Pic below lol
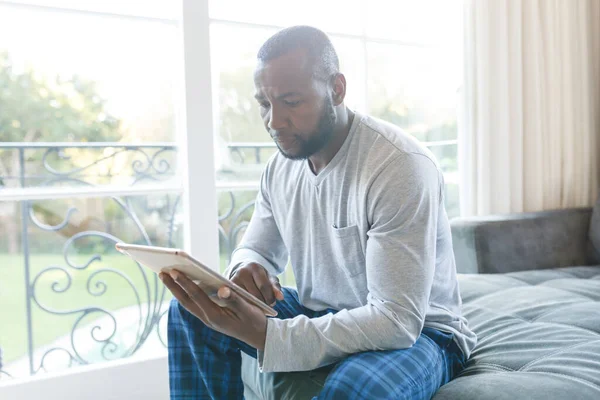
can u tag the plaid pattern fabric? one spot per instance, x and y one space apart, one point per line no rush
205 364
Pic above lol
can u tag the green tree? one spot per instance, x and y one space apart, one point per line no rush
34 108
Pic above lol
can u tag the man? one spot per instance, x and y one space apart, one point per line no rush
357 207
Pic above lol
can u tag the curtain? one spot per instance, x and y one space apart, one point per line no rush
530 134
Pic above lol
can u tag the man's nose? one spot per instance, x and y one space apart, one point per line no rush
277 119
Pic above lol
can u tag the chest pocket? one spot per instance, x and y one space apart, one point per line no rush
347 250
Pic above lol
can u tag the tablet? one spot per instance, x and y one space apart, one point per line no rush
162 259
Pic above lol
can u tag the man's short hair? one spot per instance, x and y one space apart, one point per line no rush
320 49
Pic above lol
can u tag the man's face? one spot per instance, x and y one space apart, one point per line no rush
296 108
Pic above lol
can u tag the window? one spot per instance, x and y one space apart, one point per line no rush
87 157
90 126
401 60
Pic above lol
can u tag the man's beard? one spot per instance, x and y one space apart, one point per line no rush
318 140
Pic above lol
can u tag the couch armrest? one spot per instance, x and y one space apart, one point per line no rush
523 241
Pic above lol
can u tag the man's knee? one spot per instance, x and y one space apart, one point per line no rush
345 380
414 373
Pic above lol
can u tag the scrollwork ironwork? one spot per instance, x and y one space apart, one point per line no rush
97 332
147 162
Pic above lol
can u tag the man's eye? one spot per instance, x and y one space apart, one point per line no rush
292 103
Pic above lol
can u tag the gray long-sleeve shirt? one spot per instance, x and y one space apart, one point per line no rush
368 236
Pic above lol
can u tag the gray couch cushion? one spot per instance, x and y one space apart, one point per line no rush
595 229
539 338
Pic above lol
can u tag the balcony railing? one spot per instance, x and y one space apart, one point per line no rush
62 208
64 205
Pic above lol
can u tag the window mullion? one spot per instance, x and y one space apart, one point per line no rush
196 128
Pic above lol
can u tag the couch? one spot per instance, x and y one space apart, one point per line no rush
530 285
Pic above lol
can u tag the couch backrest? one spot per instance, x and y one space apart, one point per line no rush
595 230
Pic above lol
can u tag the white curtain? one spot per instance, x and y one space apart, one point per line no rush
530 134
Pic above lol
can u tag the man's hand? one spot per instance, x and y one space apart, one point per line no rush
256 280
238 319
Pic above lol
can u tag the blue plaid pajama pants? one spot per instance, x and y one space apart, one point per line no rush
205 364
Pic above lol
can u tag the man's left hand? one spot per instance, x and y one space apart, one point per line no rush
238 319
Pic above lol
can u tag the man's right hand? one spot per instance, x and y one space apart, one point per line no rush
256 280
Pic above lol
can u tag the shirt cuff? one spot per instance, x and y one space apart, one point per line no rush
272 358
228 273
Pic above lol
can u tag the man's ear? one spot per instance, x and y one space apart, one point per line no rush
338 89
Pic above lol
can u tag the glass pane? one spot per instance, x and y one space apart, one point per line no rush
452 204
447 156
414 88
341 16
62 279
164 9
243 144
352 65
86 101
233 58
80 79
81 82
424 21
235 211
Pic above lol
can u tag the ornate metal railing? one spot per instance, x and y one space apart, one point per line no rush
112 308
68 204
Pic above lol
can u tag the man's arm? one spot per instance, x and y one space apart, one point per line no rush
262 243
261 253
403 204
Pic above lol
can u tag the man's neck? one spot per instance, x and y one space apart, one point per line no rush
319 161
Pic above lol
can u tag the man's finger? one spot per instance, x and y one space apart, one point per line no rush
261 279
253 289
247 282
181 296
196 294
